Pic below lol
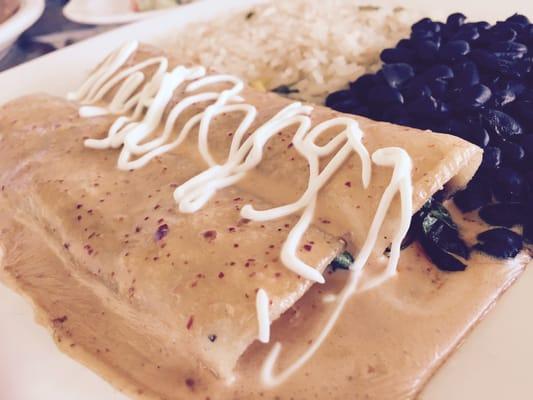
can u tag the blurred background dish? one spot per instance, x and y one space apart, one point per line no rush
15 17
148 5
50 32
104 12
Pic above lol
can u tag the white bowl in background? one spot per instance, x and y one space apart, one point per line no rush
26 15
104 12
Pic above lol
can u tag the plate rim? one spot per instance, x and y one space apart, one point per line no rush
27 14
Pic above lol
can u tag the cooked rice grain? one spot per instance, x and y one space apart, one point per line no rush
315 47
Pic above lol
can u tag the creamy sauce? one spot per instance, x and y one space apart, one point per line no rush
386 346
401 180
411 325
147 104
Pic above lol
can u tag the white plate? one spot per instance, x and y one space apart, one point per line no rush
28 12
493 364
103 12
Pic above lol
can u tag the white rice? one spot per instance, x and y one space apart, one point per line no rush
314 46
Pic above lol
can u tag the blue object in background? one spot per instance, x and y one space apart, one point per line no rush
51 32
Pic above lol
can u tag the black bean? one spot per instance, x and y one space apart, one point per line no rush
482 25
509 50
501 124
467 32
443 110
362 87
526 141
518 19
465 74
528 229
439 71
529 184
503 97
438 87
519 29
456 127
524 111
383 94
522 68
284 89
442 25
498 33
454 49
455 21
426 24
479 136
508 185
443 260
363 84
483 58
527 35
404 43
520 63
528 177
343 101
417 36
423 105
491 157
339 96
515 86
494 65
526 94
476 195
363 111
473 96
473 119
397 74
448 240
397 114
416 88
426 50
502 214
512 153
500 243
397 55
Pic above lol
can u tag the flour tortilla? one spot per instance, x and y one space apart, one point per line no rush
188 278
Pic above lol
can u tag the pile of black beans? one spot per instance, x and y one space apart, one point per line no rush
473 80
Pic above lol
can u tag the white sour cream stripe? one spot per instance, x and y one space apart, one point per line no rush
141 139
262 303
149 102
401 180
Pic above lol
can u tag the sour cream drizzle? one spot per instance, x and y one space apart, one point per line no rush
401 180
146 102
263 319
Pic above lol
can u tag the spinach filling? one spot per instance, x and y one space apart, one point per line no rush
438 235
